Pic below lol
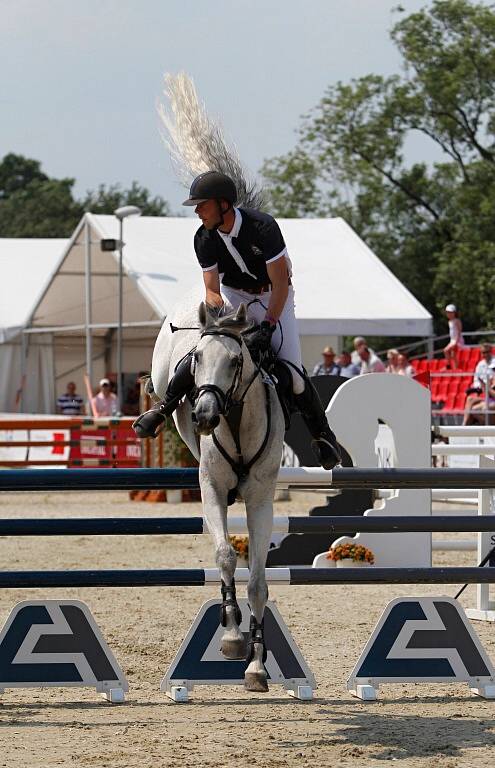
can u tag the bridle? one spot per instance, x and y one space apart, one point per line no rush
225 400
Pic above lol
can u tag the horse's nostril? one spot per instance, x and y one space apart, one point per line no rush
215 421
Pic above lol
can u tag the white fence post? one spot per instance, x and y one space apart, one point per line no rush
485 608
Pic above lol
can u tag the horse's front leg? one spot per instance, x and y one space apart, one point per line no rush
260 524
233 644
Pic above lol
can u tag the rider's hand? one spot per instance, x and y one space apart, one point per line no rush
214 311
262 338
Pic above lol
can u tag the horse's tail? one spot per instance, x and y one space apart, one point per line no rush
196 142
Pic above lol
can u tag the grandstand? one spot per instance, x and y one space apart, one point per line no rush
448 387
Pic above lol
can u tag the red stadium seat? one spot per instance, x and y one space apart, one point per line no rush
420 365
450 403
460 401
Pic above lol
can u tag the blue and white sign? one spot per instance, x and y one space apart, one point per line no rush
57 643
199 660
423 639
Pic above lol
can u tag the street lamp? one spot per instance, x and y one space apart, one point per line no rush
122 213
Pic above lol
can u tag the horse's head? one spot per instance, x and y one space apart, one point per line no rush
218 362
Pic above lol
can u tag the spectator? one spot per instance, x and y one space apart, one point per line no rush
105 403
70 404
370 363
485 366
392 361
358 342
404 368
478 410
328 366
347 367
476 392
456 342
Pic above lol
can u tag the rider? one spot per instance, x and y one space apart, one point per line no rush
244 260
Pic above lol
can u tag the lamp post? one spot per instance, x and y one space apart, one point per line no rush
122 213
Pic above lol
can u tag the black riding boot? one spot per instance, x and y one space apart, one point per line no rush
324 442
151 423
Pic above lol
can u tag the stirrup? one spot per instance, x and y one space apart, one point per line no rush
327 454
150 423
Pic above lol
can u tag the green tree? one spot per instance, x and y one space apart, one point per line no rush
32 204
107 198
433 226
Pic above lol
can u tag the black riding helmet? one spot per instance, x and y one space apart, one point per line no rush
212 185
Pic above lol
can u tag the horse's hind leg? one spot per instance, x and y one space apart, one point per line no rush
260 523
233 644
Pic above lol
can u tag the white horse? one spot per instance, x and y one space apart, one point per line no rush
225 375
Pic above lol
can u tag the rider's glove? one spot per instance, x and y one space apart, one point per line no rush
262 338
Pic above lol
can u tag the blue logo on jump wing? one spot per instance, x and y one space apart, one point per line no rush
56 643
423 639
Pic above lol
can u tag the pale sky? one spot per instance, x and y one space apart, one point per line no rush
79 79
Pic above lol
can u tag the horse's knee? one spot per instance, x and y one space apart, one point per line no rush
225 557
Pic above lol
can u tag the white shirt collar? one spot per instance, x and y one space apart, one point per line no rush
236 227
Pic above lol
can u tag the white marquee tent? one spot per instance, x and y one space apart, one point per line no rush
341 287
27 267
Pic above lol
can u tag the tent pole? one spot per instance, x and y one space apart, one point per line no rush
20 396
120 393
88 303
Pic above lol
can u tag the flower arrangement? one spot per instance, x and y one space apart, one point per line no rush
352 552
241 545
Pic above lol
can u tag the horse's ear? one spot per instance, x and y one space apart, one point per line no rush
203 314
241 314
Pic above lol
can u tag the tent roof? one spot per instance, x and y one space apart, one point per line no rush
341 287
27 266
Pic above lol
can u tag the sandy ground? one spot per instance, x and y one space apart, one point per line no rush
417 726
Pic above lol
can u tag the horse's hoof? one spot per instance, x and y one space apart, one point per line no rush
255 682
234 649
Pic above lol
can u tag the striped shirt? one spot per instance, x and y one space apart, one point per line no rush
70 405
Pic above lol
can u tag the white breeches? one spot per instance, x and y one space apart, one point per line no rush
286 342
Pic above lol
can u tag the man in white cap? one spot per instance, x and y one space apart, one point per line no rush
105 403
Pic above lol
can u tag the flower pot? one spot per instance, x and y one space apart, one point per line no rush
348 562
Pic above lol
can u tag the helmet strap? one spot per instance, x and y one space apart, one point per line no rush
221 214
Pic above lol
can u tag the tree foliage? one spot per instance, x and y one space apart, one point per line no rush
433 225
34 205
107 198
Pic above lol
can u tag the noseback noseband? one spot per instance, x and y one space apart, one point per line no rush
224 399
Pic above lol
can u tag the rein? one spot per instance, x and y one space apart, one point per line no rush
232 410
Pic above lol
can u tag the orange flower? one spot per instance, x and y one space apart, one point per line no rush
240 545
352 551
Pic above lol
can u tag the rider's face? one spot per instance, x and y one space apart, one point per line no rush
208 213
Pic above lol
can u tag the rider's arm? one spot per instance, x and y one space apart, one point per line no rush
212 284
277 272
